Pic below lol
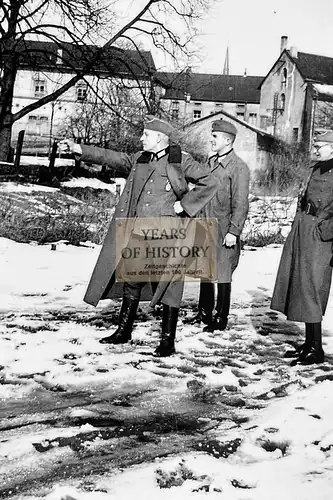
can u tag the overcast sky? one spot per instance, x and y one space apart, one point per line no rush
253 30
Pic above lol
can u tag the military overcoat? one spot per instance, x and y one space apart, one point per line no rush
304 276
230 207
138 175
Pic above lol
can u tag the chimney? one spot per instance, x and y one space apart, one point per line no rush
284 43
293 52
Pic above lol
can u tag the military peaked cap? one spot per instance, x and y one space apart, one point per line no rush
224 126
325 136
154 123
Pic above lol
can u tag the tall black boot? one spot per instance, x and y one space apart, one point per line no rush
205 306
126 319
220 320
316 354
303 349
169 325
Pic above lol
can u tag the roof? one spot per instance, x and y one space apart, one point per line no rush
323 92
40 55
257 130
211 87
313 68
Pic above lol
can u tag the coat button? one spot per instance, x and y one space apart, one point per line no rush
147 204
148 192
151 180
121 209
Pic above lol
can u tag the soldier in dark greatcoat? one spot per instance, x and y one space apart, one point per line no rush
230 207
304 276
156 187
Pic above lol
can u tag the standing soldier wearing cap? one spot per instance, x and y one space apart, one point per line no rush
230 207
157 186
304 277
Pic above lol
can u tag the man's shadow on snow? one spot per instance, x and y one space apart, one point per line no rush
271 323
267 322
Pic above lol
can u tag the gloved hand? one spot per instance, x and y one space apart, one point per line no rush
69 146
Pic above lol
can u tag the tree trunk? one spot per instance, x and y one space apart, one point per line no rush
5 141
9 67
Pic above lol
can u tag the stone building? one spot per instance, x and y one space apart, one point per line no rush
44 67
296 95
191 96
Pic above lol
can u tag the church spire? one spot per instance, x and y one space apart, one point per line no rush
226 62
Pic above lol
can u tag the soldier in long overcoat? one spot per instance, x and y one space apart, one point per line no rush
304 276
157 186
230 207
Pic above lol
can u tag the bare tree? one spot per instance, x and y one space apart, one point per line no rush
109 118
324 114
167 24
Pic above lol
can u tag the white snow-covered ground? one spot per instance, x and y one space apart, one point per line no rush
286 448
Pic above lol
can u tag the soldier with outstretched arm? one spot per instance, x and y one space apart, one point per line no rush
157 186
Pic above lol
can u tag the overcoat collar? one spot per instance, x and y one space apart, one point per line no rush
173 171
325 166
215 161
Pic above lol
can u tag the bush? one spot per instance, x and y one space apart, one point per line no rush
62 218
286 169
261 239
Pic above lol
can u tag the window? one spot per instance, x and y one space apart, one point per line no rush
252 118
196 114
81 92
282 102
295 134
175 110
40 87
38 125
284 78
175 114
197 104
265 121
240 116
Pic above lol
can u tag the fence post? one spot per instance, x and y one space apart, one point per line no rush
11 153
53 155
18 150
77 163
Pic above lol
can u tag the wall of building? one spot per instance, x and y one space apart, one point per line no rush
187 112
283 79
31 86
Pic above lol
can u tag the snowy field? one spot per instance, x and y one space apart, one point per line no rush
242 394
225 418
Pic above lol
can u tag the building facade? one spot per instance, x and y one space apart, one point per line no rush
295 94
118 78
192 96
